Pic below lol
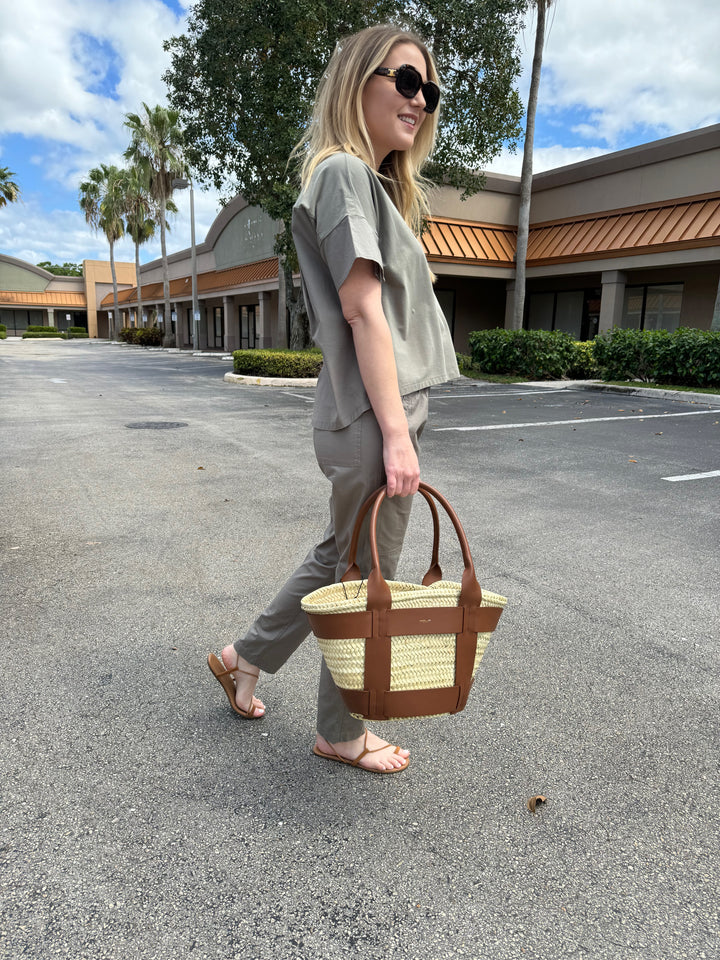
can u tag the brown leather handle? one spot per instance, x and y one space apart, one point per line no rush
434 572
379 596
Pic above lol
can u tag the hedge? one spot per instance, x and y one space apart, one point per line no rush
77 333
143 336
278 363
46 333
686 357
535 354
3 331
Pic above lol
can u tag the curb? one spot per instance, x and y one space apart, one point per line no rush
685 396
240 378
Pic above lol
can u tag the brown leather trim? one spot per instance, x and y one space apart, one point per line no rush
413 622
403 703
483 619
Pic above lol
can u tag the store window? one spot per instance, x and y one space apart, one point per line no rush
218 327
653 306
573 311
446 299
248 332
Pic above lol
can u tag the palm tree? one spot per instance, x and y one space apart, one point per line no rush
156 146
9 190
103 202
139 223
526 174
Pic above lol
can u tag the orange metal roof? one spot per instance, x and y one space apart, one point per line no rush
675 225
212 281
465 241
43 299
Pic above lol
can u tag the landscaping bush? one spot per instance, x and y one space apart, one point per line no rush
535 354
43 333
77 333
686 357
3 331
142 336
278 363
584 366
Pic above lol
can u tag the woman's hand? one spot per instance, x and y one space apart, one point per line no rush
402 470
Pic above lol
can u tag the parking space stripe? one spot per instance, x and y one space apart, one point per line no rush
491 396
693 476
559 423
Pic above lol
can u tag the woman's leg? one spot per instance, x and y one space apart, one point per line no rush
354 478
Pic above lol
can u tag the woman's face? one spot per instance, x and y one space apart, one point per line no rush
392 120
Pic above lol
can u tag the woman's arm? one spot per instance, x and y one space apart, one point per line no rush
361 302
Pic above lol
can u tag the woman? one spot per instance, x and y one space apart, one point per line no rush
385 342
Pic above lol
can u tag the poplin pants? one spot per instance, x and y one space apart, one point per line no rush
352 459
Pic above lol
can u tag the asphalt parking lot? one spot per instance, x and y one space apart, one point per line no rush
149 509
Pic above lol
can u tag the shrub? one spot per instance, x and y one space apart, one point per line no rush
686 357
584 366
77 333
3 331
278 363
45 333
536 354
142 336
41 329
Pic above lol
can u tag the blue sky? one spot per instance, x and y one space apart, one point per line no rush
617 73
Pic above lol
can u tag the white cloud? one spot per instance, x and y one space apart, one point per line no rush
30 232
647 64
82 43
544 158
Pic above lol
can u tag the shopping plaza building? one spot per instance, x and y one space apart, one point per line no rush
629 239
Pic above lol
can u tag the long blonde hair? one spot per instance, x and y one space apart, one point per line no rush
338 122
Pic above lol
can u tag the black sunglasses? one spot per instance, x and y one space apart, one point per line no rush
408 81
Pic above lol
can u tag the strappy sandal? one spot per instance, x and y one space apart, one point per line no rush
226 681
356 762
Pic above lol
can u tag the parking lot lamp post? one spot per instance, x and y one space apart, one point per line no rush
181 184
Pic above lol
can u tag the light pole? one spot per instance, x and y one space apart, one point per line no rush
180 184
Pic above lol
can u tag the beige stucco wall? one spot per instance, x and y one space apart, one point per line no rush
248 237
15 276
97 276
497 203
671 169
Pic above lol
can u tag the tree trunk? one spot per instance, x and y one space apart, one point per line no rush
526 175
295 304
168 338
139 322
115 332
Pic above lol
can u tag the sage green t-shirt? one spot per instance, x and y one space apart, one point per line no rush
344 214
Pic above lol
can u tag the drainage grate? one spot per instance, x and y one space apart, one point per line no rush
156 425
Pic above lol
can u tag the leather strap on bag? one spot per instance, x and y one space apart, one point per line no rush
381 623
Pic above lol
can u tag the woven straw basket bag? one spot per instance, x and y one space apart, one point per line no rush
398 649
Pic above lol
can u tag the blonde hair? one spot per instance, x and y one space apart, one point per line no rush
338 122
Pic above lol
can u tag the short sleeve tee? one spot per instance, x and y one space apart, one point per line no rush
344 214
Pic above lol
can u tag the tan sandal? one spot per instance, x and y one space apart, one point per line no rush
226 681
356 762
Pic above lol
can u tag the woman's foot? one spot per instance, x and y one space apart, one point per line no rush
245 676
368 751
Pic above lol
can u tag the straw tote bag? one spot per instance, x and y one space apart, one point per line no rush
397 649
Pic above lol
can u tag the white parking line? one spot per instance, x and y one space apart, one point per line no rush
559 423
299 396
491 396
693 476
